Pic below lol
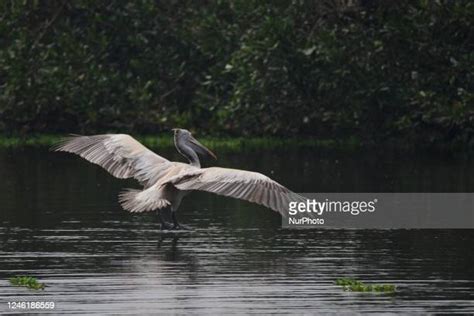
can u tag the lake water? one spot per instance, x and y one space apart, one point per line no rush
60 221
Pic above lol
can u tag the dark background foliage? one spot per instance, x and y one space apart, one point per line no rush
374 70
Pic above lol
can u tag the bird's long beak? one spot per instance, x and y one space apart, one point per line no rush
203 150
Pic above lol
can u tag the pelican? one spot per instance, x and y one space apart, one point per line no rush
165 182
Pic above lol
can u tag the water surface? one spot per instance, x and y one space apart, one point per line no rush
60 221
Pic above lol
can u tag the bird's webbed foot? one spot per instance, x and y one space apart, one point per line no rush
180 227
166 226
176 225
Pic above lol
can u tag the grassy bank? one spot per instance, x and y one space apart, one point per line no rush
166 140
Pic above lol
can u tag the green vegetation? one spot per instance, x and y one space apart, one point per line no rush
26 281
163 141
373 70
354 285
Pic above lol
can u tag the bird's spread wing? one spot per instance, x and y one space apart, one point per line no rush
120 154
240 184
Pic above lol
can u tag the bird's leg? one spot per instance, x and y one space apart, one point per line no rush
175 220
177 225
164 225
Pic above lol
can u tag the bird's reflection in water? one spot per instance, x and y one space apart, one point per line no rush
168 246
173 248
168 243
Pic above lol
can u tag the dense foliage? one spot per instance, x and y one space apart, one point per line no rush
331 69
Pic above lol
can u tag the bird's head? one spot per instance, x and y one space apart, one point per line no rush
183 137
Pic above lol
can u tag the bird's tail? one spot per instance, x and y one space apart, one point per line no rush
137 201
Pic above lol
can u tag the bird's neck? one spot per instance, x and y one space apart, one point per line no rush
189 154
194 161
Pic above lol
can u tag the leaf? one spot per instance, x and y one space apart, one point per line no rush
308 51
